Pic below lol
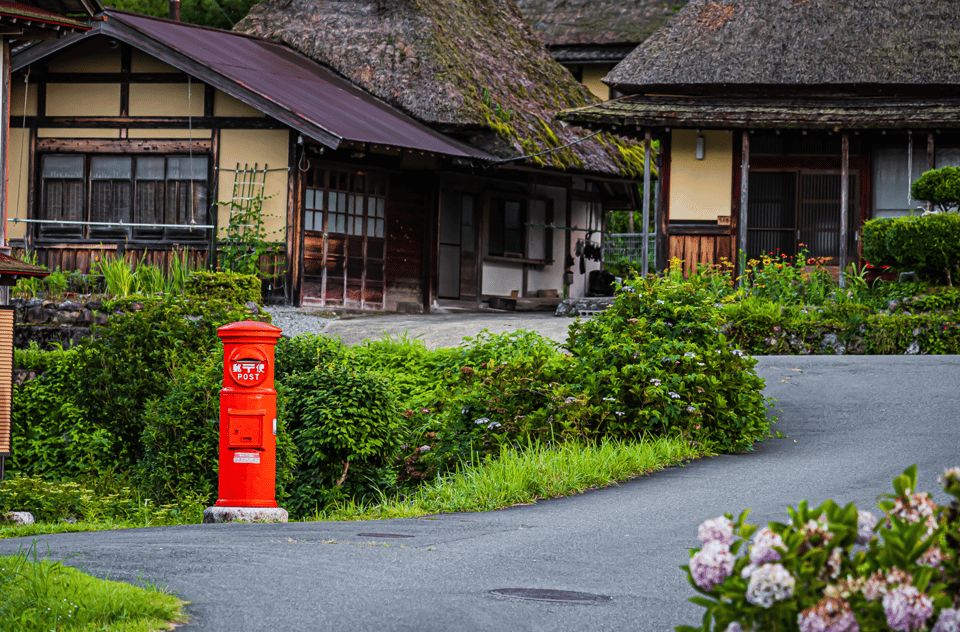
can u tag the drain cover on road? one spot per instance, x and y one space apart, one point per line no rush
384 535
556 596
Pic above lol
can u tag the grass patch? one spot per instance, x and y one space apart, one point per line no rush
524 477
40 528
37 594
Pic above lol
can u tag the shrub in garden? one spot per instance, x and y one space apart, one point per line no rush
874 239
835 568
52 434
940 187
305 353
657 362
233 287
345 424
135 358
926 244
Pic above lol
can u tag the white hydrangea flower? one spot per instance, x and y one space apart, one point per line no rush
718 529
768 584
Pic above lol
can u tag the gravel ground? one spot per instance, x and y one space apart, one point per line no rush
435 330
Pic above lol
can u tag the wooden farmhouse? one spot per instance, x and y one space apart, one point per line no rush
784 124
590 37
396 167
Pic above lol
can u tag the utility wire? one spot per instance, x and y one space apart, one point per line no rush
548 151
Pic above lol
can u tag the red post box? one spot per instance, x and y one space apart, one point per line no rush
248 416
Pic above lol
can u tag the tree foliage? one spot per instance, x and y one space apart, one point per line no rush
940 187
222 14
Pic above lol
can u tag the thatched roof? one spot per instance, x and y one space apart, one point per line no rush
596 22
471 68
785 43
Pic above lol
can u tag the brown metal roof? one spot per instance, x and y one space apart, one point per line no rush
271 77
12 268
783 113
315 97
30 16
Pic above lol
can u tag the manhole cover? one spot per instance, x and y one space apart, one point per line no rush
556 596
384 535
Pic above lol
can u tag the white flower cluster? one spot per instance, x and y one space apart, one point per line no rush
763 550
718 529
830 615
949 621
768 584
915 508
907 609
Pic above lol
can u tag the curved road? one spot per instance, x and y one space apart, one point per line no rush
854 423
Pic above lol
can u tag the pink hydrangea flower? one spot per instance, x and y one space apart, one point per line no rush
866 522
949 621
830 615
907 609
763 550
718 529
711 565
770 583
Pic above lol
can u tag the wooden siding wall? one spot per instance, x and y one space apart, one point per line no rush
84 258
701 249
6 378
409 206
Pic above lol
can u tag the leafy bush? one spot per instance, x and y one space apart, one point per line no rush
92 501
834 568
232 287
135 358
941 187
656 362
874 238
927 244
344 423
305 353
52 434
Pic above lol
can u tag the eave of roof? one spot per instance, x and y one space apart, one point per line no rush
33 17
13 267
592 54
272 78
774 113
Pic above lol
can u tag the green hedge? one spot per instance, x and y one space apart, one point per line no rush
226 286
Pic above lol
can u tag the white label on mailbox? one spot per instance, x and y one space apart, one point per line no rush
246 457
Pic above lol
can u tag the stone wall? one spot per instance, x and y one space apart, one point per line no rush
48 323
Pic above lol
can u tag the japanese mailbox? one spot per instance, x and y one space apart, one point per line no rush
248 416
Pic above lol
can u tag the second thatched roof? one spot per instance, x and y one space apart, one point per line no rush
469 68
856 44
596 22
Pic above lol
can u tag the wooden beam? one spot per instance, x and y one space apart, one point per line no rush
110 145
744 199
645 231
844 203
153 122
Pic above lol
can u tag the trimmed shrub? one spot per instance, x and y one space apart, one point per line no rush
941 187
232 287
874 237
305 353
345 426
926 244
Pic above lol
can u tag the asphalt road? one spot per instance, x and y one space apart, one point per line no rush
854 423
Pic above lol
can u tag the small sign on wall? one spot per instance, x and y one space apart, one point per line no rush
723 220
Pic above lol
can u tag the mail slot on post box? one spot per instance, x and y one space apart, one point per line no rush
248 416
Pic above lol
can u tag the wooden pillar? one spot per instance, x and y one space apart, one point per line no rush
645 231
742 220
844 203
931 161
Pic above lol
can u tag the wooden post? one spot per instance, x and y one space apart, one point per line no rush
742 220
645 231
931 161
844 204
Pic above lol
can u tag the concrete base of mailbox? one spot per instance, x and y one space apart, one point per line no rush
244 514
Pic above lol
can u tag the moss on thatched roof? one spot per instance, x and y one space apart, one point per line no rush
596 22
799 43
466 67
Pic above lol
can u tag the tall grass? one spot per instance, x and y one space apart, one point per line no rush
520 477
38 594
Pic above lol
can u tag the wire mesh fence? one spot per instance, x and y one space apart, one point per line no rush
626 249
